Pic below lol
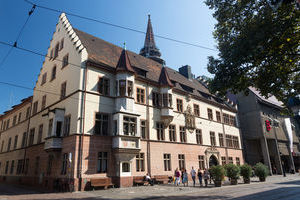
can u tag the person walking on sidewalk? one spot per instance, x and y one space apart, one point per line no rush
206 176
185 178
177 177
193 174
199 174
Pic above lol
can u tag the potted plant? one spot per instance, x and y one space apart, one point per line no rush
261 171
233 173
246 171
217 172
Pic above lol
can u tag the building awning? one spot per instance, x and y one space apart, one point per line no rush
283 149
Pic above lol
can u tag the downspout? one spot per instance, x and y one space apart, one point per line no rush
224 137
148 131
82 119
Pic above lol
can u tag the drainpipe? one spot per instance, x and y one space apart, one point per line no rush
148 131
81 131
224 137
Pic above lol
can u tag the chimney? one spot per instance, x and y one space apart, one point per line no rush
186 71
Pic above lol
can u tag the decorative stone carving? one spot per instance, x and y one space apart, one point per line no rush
166 120
189 119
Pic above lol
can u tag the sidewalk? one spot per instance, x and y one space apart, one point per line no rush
272 185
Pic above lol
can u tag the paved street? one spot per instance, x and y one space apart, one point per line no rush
275 188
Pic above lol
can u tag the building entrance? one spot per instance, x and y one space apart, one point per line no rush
213 161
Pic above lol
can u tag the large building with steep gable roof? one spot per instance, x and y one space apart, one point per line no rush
102 112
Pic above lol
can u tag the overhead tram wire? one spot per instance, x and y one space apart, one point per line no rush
119 26
18 36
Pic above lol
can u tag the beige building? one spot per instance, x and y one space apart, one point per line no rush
100 111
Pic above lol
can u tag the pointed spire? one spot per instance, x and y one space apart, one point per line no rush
150 50
124 62
164 79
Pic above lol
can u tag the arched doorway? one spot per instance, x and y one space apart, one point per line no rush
213 161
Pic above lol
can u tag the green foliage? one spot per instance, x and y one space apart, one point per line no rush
258 47
246 171
261 170
232 171
217 172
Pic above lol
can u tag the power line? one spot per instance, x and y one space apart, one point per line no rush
18 36
119 26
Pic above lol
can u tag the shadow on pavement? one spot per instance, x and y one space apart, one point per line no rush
290 183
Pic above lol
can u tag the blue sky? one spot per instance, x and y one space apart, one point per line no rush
189 21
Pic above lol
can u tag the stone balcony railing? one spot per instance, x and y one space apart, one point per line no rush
53 143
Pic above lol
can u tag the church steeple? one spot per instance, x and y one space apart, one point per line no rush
150 50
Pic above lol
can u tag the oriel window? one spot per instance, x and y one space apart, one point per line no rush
129 125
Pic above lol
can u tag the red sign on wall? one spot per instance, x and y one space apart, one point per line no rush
268 125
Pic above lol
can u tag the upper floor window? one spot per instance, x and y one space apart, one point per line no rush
24 140
43 102
172 133
61 44
221 139
35 107
179 105
143 129
19 119
122 88
199 136
209 114
44 78
65 61
231 120
40 134
218 115
56 50
101 124
156 99
14 120
63 90
129 125
16 142
67 123
160 131
53 74
27 112
212 138
103 86
182 134
31 136
7 124
51 54
196 110
9 143
225 118
140 95
167 100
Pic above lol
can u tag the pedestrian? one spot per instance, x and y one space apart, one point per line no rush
199 174
182 172
185 178
206 176
193 175
177 177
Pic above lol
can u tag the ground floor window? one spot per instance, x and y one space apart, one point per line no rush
12 167
125 167
140 162
181 160
26 166
167 162
102 162
237 160
19 166
37 165
49 166
201 162
6 167
230 160
223 158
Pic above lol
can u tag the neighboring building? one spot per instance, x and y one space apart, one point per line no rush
265 132
101 111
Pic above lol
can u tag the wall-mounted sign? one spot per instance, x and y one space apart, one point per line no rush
268 125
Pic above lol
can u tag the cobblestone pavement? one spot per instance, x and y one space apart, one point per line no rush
276 187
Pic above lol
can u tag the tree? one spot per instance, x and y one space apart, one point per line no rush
258 47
